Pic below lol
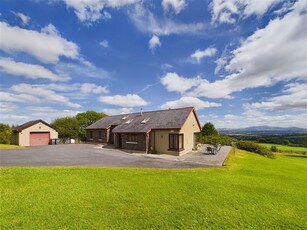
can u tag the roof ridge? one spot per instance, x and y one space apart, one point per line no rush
153 111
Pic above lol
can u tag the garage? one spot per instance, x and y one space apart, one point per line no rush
37 139
34 133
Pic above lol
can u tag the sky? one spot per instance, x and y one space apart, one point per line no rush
240 63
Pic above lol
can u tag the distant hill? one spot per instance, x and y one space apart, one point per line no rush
269 130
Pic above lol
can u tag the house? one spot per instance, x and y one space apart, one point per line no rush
33 133
171 131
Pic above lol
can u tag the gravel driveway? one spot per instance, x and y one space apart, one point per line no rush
95 155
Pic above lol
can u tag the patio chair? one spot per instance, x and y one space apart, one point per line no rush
210 150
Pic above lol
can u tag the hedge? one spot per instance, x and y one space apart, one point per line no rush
255 148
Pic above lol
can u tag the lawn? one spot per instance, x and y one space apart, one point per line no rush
251 192
6 146
286 148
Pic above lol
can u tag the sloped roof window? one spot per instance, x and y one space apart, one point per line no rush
129 121
145 120
125 117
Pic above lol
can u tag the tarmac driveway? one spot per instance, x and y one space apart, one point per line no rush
91 155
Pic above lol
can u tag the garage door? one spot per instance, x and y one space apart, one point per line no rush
39 138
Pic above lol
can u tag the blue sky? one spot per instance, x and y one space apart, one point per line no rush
238 62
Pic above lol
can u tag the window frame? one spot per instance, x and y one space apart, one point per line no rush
175 141
132 138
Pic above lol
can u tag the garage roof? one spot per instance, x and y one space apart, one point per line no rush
29 124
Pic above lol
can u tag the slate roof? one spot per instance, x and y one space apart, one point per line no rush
29 124
162 119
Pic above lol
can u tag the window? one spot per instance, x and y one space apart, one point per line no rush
91 134
176 141
129 121
145 120
132 137
125 117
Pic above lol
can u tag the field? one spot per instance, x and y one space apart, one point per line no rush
5 146
286 148
251 192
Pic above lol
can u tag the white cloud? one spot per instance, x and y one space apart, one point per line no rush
256 118
24 18
129 100
166 66
48 114
13 97
252 117
176 5
40 94
294 99
82 71
188 102
258 8
147 22
89 11
104 43
117 111
258 61
225 11
9 66
7 107
199 54
47 45
175 83
93 88
220 64
77 88
154 42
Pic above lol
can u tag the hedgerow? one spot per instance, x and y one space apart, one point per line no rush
255 148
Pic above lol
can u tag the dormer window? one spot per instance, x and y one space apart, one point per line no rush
145 120
129 121
125 117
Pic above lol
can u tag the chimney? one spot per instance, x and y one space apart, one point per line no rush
141 112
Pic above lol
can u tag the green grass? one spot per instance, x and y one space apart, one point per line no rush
6 146
251 192
286 148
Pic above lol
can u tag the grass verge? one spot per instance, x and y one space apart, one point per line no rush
6 146
250 192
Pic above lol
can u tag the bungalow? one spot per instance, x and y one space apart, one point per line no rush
169 131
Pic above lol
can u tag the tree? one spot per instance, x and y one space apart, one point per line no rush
85 119
209 130
68 127
286 142
5 133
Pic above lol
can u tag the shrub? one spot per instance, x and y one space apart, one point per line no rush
5 133
286 142
213 140
273 148
255 148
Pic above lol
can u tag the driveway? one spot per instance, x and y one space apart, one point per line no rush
95 155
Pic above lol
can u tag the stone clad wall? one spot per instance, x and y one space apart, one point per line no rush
140 145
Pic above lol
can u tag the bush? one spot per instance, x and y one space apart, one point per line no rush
213 140
5 134
255 148
273 148
286 142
